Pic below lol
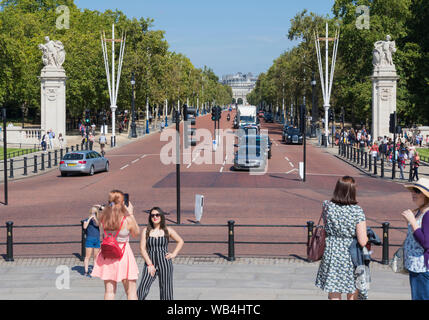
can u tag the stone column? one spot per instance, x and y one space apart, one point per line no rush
53 101
384 81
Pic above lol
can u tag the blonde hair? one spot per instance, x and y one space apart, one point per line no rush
112 215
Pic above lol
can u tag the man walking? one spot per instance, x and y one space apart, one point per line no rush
103 141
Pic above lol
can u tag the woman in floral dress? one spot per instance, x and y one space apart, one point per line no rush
343 220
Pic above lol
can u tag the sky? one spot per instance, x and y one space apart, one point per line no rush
228 36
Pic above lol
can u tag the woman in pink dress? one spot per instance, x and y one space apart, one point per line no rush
125 269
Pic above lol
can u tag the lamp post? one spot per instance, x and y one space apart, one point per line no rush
133 112
314 111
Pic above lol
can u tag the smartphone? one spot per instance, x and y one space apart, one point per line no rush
127 199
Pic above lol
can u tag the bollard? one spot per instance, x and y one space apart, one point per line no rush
67 149
375 165
83 240
366 160
72 148
55 158
25 166
35 164
354 154
61 153
358 156
385 259
42 162
11 168
361 158
77 147
382 167
49 160
9 243
370 163
310 227
231 244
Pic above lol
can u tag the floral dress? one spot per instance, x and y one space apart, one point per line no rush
336 270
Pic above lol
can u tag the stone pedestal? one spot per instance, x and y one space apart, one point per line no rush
53 101
384 80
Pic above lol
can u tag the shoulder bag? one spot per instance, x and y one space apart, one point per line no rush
316 246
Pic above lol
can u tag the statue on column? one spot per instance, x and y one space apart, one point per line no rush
53 53
383 51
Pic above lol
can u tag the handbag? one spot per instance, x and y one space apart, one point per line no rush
397 262
316 246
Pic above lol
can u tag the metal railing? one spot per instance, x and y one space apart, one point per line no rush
229 228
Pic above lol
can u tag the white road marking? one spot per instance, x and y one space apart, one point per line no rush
291 171
143 156
291 164
221 169
125 167
287 158
135 161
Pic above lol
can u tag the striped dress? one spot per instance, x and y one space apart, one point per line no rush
157 248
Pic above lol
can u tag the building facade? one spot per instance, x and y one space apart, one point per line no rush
241 84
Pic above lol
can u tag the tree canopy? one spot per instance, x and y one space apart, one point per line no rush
160 74
404 20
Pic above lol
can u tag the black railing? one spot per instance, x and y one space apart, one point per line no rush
230 228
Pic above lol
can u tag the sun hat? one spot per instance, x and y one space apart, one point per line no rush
422 184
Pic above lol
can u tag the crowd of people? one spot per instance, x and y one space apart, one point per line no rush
403 152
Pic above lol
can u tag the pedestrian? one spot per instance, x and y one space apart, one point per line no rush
91 140
118 219
103 141
416 164
61 140
402 157
158 261
43 143
374 150
416 245
92 243
343 221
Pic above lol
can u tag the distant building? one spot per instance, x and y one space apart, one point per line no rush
241 84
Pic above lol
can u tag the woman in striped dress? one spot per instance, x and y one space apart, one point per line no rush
154 249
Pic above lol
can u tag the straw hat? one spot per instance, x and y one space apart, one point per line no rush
422 184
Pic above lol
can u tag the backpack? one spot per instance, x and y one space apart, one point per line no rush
110 248
103 140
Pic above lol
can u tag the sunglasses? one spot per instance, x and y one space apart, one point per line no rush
155 215
417 191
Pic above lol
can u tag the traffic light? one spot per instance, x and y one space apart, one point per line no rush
331 115
214 114
218 113
189 115
392 122
87 117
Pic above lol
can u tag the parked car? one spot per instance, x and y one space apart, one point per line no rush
293 136
250 157
258 140
88 162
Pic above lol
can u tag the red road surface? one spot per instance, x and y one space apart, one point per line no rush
275 198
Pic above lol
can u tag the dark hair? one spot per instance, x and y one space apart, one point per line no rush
163 226
345 191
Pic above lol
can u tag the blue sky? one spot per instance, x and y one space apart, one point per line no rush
227 36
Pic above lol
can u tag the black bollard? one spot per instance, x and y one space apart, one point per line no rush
42 162
366 160
35 164
231 243
375 165
370 163
382 167
25 166
49 160
9 244
11 168
385 259
55 158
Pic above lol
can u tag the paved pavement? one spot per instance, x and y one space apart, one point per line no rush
202 278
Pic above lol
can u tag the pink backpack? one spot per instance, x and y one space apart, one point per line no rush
110 248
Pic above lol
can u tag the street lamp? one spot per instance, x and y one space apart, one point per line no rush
133 114
314 113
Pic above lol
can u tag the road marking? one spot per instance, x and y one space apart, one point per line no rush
135 161
287 158
143 156
124 167
291 171
291 164
221 169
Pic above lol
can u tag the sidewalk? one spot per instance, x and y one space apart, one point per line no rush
72 141
423 169
194 279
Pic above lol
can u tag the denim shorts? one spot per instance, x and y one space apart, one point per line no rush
92 242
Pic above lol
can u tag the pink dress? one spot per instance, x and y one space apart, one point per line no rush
115 269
